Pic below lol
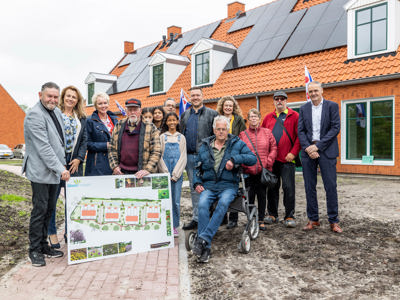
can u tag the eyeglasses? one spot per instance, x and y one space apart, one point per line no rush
279 99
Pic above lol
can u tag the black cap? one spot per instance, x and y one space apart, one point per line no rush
280 94
133 102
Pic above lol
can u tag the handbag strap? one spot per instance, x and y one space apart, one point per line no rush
259 159
279 121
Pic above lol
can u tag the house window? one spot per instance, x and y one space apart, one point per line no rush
158 78
202 68
90 93
369 130
371 29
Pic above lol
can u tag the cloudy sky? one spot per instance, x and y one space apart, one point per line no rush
62 41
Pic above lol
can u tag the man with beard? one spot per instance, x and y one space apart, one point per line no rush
135 146
44 165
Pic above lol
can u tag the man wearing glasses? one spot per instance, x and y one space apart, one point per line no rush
169 106
283 123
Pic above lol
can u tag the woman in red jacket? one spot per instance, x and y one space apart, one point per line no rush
265 145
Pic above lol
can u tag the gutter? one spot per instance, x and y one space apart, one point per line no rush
326 85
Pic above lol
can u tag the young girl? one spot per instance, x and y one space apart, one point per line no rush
173 160
158 116
147 115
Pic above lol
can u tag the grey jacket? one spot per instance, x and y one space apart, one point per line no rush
45 151
204 128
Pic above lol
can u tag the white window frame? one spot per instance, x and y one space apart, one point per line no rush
393 33
209 68
152 79
343 137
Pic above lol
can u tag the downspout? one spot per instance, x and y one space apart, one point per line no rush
258 103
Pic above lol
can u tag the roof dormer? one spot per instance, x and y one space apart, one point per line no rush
165 68
209 58
373 27
97 83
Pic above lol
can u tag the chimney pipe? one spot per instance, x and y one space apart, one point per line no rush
128 47
234 8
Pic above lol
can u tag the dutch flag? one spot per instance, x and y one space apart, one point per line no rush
308 80
121 109
183 103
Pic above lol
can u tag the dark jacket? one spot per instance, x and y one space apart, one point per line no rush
238 125
80 147
330 128
204 128
98 136
224 179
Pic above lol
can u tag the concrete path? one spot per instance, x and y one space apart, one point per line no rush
152 275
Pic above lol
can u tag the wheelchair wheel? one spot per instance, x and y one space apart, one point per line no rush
253 228
190 238
244 245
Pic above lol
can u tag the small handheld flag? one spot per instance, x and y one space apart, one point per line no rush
183 103
121 109
308 79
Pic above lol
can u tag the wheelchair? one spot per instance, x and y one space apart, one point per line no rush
240 205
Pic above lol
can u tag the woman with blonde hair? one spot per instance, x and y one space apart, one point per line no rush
74 120
227 106
99 129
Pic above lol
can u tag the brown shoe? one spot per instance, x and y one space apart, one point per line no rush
335 228
312 225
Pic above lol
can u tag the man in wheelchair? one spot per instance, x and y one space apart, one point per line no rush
216 178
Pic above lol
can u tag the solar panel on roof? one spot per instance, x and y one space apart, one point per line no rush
338 37
296 42
318 38
192 37
322 27
139 54
248 19
269 34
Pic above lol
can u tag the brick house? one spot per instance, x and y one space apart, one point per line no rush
352 47
11 120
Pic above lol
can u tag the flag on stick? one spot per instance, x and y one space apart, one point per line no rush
121 109
183 103
308 80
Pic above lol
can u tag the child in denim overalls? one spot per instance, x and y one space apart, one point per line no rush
173 160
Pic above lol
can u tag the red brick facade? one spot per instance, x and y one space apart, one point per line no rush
11 120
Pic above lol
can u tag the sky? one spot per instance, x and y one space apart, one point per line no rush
62 41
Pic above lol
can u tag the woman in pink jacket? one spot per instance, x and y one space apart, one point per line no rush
264 142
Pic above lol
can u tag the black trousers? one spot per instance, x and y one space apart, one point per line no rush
255 189
44 197
286 174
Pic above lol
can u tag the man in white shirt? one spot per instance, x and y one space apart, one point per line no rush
319 125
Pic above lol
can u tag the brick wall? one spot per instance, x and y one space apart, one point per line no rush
337 94
11 120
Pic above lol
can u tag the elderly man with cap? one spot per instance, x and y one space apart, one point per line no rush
135 146
283 123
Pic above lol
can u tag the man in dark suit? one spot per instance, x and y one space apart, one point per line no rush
44 165
319 125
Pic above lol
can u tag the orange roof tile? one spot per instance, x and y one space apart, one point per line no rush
306 4
328 66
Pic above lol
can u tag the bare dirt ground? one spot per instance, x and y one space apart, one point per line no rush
361 263
14 219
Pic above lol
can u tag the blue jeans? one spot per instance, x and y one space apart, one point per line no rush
191 162
207 227
176 188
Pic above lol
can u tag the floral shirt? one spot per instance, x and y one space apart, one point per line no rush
70 126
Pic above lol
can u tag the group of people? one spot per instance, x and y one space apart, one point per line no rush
210 144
